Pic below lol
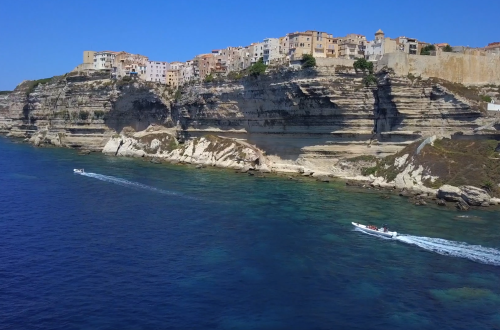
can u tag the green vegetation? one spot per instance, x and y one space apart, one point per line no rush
427 50
308 61
235 75
83 115
34 84
177 95
454 162
98 114
257 68
362 64
369 80
5 92
447 49
124 81
209 78
485 98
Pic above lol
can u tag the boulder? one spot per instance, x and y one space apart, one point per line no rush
441 202
462 205
323 178
495 201
450 193
474 196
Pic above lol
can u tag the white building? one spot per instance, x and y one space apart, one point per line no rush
104 60
271 50
156 71
187 73
256 51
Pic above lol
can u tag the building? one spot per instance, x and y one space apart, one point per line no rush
352 46
321 43
271 50
187 73
104 60
127 64
493 48
284 46
408 45
381 45
256 52
173 78
205 64
300 44
88 57
156 71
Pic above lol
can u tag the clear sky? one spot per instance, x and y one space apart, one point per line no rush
40 39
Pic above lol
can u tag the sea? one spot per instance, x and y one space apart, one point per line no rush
135 245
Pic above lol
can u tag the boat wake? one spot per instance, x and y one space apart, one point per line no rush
475 253
127 183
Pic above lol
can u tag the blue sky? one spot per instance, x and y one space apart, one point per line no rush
41 39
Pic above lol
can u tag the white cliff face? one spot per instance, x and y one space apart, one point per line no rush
160 142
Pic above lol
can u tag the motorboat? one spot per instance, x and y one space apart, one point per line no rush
384 231
78 170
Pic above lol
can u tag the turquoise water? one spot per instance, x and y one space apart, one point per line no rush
133 245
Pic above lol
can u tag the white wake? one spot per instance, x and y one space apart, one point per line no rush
476 253
127 183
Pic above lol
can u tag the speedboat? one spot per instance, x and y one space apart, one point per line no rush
78 170
376 231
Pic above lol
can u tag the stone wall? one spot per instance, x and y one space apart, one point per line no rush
459 68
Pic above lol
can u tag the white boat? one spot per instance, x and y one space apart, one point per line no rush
376 231
78 170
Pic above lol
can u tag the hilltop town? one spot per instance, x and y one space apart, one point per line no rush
284 51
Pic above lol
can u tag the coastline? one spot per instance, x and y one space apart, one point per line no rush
415 195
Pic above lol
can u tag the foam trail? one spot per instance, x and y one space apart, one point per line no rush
475 253
127 183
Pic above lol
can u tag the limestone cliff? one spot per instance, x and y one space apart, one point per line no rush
301 121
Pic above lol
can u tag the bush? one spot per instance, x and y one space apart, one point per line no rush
258 68
127 78
362 64
98 114
83 115
209 78
427 50
486 98
370 80
447 49
308 61
34 84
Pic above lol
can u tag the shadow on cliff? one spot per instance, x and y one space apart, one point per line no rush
386 115
137 108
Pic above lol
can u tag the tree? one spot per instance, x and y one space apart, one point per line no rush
258 68
427 50
447 49
209 78
362 64
308 61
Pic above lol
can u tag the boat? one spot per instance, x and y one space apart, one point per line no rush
384 231
78 170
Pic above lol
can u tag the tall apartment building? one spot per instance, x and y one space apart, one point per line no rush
408 45
127 64
316 43
256 51
271 50
352 46
104 60
284 46
156 71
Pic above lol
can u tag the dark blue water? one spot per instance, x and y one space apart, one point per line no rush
143 246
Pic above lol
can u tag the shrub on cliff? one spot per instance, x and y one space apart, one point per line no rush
362 64
447 49
258 68
209 78
370 80
83 115
427 50
486 98
308 61
34 84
